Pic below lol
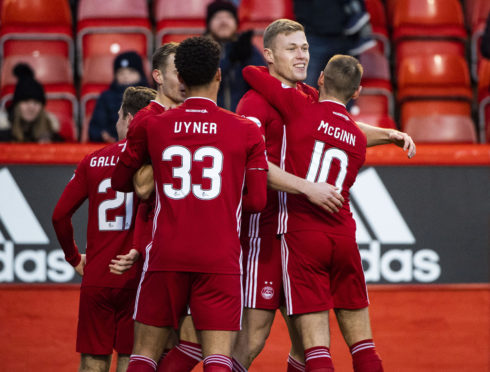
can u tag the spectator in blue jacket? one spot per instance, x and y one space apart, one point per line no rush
237 51
128 71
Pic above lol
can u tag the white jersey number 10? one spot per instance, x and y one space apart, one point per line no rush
322 160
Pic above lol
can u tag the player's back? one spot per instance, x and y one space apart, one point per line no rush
200 153
111 217
324 145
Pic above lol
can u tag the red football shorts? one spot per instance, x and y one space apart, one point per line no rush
105 320
322 271
215 300
262 272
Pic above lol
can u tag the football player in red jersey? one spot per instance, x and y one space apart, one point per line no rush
170 94
106 300
202 157
322 267
286 51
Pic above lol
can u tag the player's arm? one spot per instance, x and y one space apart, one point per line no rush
143 181
132 157
381 136
73 196
285 99
321 194
255 198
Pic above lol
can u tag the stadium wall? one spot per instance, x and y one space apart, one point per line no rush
423 231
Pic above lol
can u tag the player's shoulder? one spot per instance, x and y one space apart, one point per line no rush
112 149
308 90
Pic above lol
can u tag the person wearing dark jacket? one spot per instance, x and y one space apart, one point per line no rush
128 71
237 51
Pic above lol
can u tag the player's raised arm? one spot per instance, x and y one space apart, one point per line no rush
73 196
131 159
381 136
285 99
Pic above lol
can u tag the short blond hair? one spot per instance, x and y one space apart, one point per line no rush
280 26
342 76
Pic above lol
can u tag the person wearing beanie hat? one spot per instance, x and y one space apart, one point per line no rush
27 120
128 71
237 51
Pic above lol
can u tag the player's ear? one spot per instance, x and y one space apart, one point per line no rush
268 55
218 74
157 76
357 93
321 79
129 117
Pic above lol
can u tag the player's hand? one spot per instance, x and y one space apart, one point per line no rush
404 141
324 195
79 268
123 263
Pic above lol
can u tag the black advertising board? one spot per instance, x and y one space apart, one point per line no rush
424 224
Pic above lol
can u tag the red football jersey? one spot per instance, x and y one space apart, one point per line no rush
110 219
200 154
324 144
256 108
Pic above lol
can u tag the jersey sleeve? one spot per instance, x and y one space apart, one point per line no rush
253 111
256 154
132 156
285 99
73 196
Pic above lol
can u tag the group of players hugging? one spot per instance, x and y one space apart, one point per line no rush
202 222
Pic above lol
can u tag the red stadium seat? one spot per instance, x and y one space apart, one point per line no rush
409 48
376 79
429 76
428 19
125 22
378 23
48 21
430 107
177 17
441 129
257 14
88 102
372 109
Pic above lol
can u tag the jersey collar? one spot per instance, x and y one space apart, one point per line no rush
329 100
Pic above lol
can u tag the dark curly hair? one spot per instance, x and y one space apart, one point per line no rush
197 60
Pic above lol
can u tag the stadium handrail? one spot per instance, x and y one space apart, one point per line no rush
441 155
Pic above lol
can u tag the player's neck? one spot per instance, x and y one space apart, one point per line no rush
327 97
282 79
165 101
203 91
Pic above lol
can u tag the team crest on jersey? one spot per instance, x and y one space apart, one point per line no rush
267 292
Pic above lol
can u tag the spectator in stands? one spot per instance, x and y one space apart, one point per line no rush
128 71
485 41
237 51
347 31
27 119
